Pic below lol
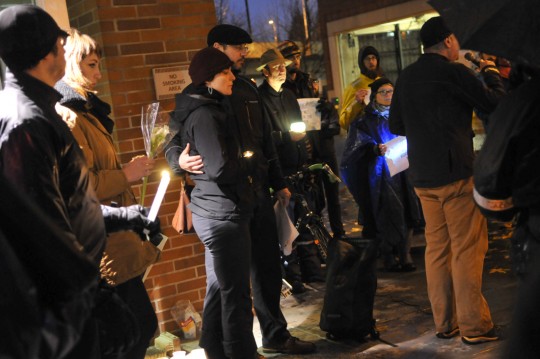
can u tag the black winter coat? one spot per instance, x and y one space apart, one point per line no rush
432 105
506 176
39 156
224 190
255 134
282 109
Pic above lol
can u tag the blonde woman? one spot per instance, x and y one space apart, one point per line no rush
88 118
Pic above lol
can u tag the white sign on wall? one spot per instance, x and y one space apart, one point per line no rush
169 81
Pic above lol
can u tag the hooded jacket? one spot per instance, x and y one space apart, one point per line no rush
224 190
255 135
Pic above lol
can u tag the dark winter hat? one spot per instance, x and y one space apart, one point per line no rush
434 31
228 34
206 64
27 35
365 51
288 48
375 85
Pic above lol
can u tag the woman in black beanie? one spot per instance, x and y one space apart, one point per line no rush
222 204
388 204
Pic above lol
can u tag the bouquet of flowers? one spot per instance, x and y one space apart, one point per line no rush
156 135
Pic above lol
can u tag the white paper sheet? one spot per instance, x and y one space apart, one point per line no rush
396 155
310 115
287 232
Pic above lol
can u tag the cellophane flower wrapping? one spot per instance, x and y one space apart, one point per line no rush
156 135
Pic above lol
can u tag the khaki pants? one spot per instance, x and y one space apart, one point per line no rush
456 244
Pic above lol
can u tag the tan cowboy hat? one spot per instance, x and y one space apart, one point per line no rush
271 56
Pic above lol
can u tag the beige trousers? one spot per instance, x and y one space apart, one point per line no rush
456 244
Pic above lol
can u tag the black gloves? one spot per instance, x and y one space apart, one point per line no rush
130 218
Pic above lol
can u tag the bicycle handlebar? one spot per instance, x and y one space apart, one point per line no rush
332 177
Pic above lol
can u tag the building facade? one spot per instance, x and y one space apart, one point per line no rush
391 26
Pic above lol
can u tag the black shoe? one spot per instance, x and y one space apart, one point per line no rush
448 335
298 287
315 279
408 267
396 267
292 345
491 336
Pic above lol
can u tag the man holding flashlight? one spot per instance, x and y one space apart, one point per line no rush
294 151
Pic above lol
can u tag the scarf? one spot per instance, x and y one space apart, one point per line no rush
382 110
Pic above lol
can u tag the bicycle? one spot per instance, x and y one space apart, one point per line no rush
302 184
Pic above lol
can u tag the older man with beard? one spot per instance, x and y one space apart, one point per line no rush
294 151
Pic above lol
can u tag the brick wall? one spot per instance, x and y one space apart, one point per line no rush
137 36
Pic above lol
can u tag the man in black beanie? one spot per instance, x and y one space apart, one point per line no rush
432 105
255 135
354 96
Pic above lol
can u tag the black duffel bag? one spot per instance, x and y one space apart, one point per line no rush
351 282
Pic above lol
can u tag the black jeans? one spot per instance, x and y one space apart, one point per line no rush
266 272
227 330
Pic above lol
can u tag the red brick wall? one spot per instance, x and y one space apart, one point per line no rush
137 36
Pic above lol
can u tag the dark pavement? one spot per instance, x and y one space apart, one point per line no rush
402 309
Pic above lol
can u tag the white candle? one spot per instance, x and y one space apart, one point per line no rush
165 179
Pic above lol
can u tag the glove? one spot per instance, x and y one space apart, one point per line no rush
130 218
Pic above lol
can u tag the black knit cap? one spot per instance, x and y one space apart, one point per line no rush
27 34
206 64
288 48
434 31
376 85
364 52
228 34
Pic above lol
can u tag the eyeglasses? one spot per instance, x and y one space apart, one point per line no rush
242 48
386 92
295 57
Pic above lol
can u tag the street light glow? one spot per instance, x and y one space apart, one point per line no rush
271 22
